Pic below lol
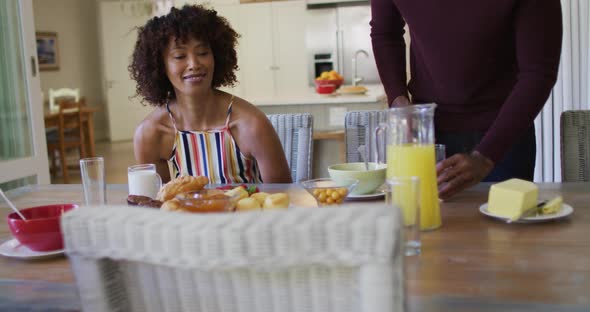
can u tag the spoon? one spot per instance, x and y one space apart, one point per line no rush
12 206
362 151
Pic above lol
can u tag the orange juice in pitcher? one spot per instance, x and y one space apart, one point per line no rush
409 139
418 160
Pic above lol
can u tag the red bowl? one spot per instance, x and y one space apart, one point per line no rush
41 231
325 89
336 82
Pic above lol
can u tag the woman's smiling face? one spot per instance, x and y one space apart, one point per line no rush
189 65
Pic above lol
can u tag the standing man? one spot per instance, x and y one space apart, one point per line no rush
489 65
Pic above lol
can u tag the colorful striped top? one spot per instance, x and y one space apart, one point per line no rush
212 153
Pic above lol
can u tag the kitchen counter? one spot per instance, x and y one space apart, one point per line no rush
375 94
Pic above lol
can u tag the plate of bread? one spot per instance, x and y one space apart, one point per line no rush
352 90
188 194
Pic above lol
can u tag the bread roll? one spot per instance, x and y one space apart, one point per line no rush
276 201
237 193
260 197
181 185
172 205
247 204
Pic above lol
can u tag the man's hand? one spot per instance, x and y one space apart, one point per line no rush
461 171
401 100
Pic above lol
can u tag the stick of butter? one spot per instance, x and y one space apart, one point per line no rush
509 199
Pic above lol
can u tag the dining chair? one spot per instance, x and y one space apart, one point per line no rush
62 94
575 146
296 132
359 131
69 134
301 259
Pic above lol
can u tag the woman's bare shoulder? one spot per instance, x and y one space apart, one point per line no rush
155 125
245 111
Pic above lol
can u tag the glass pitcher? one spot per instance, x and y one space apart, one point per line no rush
407 141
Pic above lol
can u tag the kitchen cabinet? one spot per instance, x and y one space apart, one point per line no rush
231 12
272 57
271 50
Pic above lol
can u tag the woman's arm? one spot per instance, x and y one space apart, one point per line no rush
257 138
147 147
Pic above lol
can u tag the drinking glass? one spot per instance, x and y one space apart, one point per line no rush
439 152
93 181
404 193
144 180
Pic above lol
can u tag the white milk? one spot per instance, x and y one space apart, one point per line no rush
144 182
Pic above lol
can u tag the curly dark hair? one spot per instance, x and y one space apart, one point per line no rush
191 21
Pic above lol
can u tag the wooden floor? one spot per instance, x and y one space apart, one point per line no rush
117 157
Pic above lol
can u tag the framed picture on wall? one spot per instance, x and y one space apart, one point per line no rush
47 50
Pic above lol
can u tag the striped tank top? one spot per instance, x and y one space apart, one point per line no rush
211 153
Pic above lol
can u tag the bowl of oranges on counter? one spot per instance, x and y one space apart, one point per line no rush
328 82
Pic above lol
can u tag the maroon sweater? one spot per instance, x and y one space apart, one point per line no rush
488 64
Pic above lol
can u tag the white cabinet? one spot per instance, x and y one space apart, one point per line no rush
272 57
231 12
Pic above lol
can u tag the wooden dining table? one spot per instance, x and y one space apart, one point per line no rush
472 263
52 121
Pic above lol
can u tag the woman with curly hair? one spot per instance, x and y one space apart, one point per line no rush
179 62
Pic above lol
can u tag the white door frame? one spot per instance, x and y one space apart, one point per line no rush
37 164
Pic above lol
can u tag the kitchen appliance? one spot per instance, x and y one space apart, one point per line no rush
322 62
341 30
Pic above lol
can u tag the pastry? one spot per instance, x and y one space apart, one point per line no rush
353 89
276 201
249 203
260 197
172 205
237 193
181 185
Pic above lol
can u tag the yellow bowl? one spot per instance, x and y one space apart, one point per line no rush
369 180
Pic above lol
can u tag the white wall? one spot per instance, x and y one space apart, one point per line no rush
74 21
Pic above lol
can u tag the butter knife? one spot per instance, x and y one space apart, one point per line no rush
530 212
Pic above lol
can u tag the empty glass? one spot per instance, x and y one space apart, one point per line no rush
404 194
439 152
93 181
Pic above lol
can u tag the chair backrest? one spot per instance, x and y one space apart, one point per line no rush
70 115
300 259
575 146
359 129
296 134
63 93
